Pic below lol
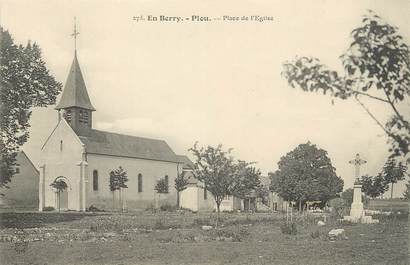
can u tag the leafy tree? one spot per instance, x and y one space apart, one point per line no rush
393 171
118 179
181 183
60 186
246 179
306 174
347 196
373 186
216 169
262 192
25 82
406 194
338 205
161 186
377 67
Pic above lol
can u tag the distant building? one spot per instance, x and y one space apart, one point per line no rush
22 193
275 202
231 203
194 197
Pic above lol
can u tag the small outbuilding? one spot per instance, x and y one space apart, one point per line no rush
22 191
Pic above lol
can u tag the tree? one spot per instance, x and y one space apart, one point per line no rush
347 196
406 194
181 183
60 186
338 205
377 67
215 168
306 174
118 179
25 82
373 186
161 187
262 192
246 179
393 171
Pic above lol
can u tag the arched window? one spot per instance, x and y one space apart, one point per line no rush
166 182
139 182
95 180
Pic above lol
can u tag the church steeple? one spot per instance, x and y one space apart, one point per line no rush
75 105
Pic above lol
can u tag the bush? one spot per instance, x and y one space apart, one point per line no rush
338 205
151 208
233 233
168 208
160 224
315 234
92 208
48 209
288 228
203 221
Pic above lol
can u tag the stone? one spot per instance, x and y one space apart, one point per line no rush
109 234
351 219
337 234
206 227
321 223
201 238
369 220
372 212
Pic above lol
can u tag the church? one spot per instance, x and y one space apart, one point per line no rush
82 158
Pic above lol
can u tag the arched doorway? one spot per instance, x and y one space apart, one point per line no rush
63 200
61 186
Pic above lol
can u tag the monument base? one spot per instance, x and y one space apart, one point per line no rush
356 210
362 220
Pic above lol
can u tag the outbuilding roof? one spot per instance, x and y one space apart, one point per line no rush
186 162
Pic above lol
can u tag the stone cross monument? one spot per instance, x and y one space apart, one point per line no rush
356 211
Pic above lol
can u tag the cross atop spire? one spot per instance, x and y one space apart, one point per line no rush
75 34
357 162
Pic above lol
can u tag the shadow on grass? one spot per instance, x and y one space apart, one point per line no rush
36 219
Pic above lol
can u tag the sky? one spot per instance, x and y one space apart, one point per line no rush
211 82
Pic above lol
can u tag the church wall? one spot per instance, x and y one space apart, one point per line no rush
61 160
151 171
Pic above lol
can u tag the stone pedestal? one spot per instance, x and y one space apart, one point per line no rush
357 214
356 210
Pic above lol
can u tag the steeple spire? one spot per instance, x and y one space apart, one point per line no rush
75 105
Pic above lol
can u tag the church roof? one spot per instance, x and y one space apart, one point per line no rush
75 92
187 163
107 143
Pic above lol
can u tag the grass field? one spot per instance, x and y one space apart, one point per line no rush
177 238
